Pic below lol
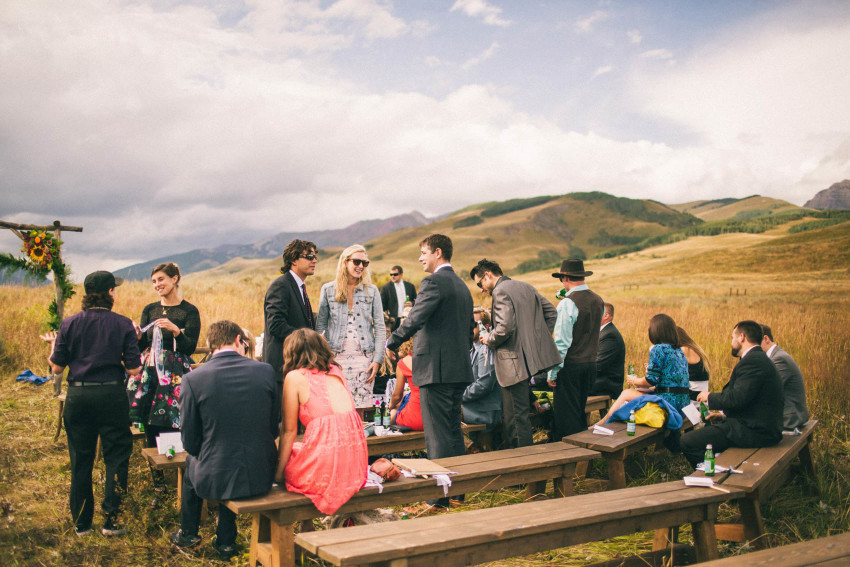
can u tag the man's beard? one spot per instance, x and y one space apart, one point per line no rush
736 351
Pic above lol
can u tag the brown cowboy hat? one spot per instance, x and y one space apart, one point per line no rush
572 267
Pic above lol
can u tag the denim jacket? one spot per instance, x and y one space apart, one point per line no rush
368 313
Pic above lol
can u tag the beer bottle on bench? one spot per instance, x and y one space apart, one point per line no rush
709 460
378 417
386 416
631 426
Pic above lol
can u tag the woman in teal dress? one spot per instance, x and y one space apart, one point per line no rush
666 370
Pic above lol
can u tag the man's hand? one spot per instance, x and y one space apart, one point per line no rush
716 416
550 382
703 397
49 337
392 355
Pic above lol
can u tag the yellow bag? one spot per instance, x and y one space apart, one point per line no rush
651 415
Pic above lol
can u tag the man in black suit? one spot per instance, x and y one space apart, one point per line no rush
229 427
752 402
395 294
287 306
611 359
443 323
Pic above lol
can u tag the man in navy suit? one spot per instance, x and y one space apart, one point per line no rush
229 426
287 306
443 324
752 402
395 294
611 358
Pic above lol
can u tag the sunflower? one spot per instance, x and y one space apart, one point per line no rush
37 253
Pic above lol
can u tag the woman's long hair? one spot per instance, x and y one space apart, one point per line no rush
305 348
685 340
662 329
365 278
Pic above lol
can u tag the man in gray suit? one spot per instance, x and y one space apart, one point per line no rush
795 413
442 321
523 321
229 426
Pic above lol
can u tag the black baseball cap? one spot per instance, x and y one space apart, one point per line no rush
101 282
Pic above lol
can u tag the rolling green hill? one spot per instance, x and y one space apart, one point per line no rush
736 209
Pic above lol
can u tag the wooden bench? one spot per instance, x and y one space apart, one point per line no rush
764 471
478 536
615 448
831 551
272 535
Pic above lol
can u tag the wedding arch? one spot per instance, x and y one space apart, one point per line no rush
42 253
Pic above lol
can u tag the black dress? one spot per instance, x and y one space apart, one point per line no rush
697 376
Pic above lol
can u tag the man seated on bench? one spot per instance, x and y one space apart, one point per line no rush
752 401
229 425
796 413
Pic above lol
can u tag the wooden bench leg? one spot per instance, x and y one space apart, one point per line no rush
283 545
753 524
581 469
99 449
563 486
664 538
260 533
536 490
705 541
59 420
616 470
806 460
180 485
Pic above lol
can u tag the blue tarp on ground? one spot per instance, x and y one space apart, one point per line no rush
28 376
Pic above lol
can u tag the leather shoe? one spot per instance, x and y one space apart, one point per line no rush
184 541
226 551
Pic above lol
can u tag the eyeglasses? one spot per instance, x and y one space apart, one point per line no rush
479 283
309 257
394 274
359 262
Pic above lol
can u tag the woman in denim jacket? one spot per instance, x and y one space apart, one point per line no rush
351 317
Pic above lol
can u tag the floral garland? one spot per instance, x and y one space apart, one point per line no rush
41 255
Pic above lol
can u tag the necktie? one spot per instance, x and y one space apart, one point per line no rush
309 307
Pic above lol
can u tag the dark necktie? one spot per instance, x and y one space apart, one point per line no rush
309 307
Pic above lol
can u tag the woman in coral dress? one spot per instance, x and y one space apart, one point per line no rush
331 463
405 409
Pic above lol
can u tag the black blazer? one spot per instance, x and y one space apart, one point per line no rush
443 324
753 401
284 312
610 363
229 427
389 299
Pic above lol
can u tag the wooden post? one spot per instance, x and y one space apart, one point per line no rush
60 298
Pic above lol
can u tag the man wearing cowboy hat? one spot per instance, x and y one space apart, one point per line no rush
577 339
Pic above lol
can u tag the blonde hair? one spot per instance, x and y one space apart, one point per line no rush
365 278
686 341
405 349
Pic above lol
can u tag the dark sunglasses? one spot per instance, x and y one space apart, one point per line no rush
310 257
359 262
478 283
393 274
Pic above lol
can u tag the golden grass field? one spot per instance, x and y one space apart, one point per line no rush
799 284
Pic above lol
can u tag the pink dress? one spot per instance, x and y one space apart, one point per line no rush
330 464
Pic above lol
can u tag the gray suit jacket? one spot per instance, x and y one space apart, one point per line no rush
523 321
442 321
795 413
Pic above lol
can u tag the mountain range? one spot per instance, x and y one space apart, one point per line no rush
836 197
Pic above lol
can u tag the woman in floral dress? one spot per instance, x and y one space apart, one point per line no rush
352 320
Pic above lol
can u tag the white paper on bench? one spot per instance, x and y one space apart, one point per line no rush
698 481
599 430
166 440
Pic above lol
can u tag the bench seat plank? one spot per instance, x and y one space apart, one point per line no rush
483 535
822 552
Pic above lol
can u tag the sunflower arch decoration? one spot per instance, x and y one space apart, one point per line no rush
41 250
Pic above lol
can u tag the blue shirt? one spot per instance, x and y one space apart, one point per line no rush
567 315
668 367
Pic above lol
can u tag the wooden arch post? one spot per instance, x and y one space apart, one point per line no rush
57 229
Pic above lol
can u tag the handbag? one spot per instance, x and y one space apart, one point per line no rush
385 469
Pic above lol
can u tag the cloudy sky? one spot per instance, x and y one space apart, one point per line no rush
164 125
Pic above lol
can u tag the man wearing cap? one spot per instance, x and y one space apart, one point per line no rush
98 346
287 306
577 339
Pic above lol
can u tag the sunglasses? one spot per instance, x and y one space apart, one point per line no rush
309 257
359 262
394 274
479 283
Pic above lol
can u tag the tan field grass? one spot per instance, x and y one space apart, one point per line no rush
808 309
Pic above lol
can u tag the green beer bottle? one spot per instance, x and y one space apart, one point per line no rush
378 416
169 453
631 426
703 412
386 420
709 460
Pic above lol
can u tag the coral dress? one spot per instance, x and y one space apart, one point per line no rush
410 412
330 464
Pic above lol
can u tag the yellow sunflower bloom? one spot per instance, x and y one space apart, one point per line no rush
37 253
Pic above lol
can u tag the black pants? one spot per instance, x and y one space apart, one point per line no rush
516 407
693 443
91 412
571 389
441 419
190 516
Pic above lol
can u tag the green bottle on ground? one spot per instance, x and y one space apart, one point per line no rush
709 460
631 426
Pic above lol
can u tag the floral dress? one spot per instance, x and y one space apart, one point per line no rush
668 368
355 366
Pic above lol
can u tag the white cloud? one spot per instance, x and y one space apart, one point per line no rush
486 54
587 24
490 15
433 61
634 36
602 71
660 54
